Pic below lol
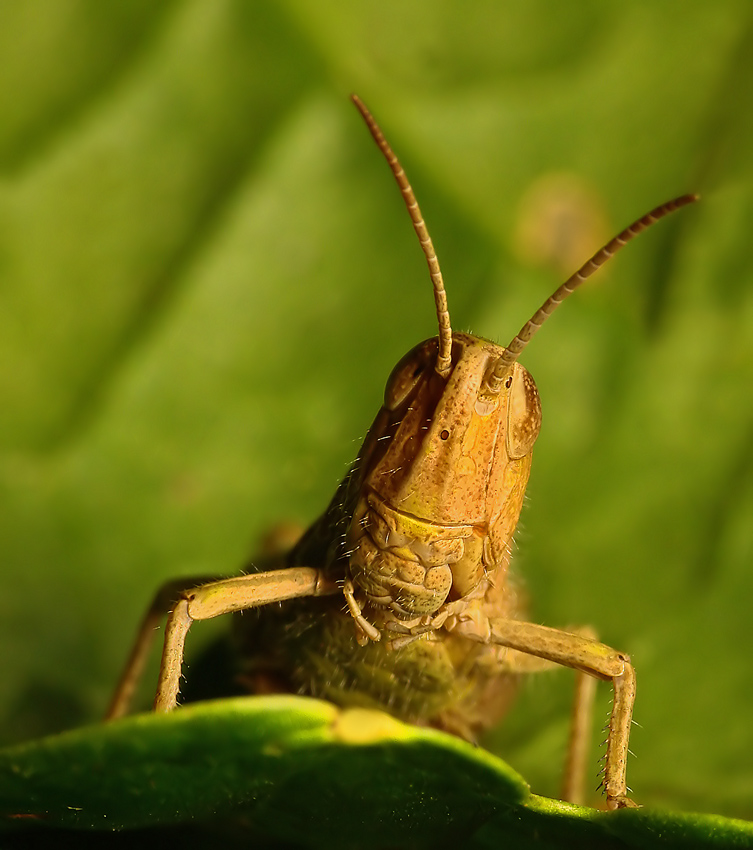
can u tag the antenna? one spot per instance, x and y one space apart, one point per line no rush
444 355
496 375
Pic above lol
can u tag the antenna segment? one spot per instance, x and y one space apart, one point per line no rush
444 355
501 368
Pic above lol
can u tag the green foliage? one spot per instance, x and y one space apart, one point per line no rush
206 276
254 768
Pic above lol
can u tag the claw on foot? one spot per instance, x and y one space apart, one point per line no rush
621 802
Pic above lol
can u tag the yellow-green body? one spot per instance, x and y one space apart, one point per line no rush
422 526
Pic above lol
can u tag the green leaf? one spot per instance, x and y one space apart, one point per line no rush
206 275
261 760
259 764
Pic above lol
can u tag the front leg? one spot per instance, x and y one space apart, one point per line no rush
165 598
225 597
582 654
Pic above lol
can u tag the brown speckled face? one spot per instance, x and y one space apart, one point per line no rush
448 439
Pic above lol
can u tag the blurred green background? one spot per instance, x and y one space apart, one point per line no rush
206 275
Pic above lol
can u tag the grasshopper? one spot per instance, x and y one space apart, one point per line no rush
398 597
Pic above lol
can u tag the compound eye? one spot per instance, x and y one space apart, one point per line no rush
407 374
523 413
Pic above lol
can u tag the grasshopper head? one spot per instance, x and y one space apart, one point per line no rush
449 439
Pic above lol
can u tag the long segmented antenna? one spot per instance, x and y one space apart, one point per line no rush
444 355
497 374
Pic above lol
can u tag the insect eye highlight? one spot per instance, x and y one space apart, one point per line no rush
523 414
407 374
